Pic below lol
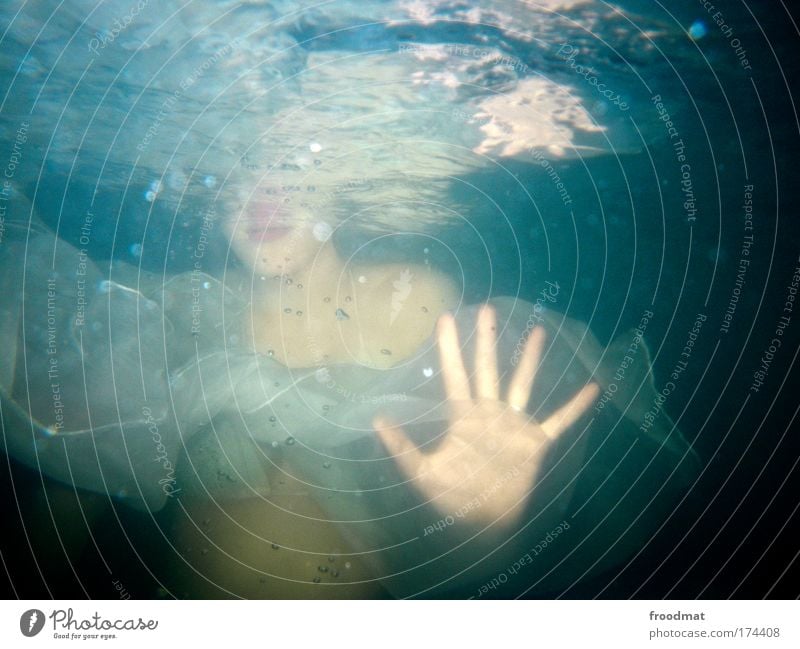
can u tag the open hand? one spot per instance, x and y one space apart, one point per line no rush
493 451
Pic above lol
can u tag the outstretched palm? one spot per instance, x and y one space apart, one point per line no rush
493 451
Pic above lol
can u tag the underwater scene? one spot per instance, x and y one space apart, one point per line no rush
398 299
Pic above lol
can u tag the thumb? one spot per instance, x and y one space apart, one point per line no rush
397 442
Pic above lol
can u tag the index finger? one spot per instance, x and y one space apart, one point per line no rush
519 390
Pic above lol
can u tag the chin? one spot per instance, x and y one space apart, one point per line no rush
273 262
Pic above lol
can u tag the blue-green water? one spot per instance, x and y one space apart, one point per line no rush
628 166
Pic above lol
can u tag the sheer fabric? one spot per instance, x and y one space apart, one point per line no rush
144 389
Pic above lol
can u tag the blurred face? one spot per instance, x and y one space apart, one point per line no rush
274 238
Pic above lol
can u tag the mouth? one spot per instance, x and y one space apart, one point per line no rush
264 223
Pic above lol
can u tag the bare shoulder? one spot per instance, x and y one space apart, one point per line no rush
399 306
411 288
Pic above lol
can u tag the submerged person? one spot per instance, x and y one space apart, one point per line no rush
325 429
466 470
310 409
386 313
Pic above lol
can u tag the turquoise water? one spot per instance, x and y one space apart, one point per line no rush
631 168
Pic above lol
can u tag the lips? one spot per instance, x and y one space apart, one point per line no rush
263 222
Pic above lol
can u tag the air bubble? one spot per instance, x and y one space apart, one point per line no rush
210 182
136 249
289 441
697 30
326 465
